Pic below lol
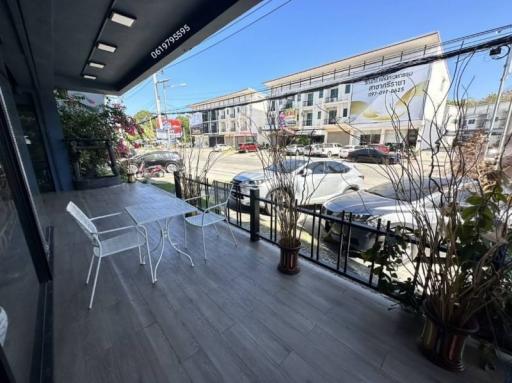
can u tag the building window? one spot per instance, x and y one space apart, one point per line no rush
309 101
347 88
334 93
298 97
320 93
471 122
308 121
345 112
319 116
332 117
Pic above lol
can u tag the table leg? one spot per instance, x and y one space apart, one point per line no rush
174 245
163 236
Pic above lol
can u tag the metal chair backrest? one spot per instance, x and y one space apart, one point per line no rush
218 193
83 221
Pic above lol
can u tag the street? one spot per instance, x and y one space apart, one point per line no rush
230 163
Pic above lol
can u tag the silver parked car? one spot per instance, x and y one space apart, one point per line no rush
320 180
384 203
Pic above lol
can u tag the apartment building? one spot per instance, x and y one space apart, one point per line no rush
476 117
328 104
230 119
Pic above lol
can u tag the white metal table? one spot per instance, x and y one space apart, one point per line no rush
160 212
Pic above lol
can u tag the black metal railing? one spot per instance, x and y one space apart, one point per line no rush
333 242
331 99
307 103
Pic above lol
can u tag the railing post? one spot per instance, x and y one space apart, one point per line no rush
177 184
255 214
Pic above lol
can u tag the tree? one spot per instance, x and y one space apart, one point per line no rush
145 119
185 124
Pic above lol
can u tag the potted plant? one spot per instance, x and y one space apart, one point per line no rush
285 198
97 137
461 232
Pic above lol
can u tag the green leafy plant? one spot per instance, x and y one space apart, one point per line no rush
105 123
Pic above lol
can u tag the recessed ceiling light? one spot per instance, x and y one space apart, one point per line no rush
106 47
96 65
122 19
89 77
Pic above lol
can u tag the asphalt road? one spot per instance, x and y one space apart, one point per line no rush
228 164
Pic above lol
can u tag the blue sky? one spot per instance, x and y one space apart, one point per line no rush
305 33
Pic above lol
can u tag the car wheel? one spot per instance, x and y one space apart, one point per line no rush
160 174
171 168
329 154
297 153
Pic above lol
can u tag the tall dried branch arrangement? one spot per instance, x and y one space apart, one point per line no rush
289 189
194 169
460 211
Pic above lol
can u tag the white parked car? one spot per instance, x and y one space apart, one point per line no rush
323 150
221 148
294 150
345 150
319 180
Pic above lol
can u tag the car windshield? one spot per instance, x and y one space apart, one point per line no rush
286 166
408 190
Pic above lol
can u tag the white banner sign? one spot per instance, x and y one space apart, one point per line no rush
396 96
196 119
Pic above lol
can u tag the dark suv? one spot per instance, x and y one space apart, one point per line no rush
168 160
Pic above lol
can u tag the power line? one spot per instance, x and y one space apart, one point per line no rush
369 74
255 9
230 35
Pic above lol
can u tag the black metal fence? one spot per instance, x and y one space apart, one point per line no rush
341 252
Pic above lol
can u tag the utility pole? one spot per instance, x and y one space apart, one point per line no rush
157 99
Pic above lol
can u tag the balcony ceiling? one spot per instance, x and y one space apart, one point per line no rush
62 35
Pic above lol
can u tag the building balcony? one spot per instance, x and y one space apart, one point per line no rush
308 122
331 99
233 318
307 103
331 121
222 116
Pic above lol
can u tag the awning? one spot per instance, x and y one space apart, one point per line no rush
106 46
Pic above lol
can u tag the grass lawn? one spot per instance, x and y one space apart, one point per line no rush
167 186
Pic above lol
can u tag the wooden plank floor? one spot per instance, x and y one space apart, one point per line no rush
232 319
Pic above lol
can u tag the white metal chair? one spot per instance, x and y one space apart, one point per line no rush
129 238
212 215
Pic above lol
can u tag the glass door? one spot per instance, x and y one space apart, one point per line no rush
24 269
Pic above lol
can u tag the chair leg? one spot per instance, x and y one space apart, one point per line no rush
142 260
231 231
95 282
204 244
90 269
150 262
185 231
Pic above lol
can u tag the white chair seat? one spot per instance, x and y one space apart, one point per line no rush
209 219
130 239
